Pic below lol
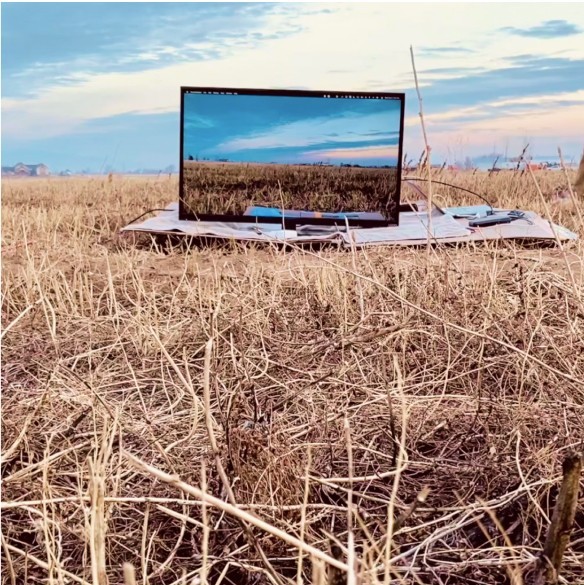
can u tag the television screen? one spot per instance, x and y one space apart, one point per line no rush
275 156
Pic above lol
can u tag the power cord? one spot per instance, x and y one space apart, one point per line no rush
145 213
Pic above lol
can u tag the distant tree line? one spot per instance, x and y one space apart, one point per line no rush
313 164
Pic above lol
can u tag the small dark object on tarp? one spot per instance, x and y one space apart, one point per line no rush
496 219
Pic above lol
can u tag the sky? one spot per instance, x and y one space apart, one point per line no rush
291 130
97 85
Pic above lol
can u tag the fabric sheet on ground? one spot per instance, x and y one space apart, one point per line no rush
449 227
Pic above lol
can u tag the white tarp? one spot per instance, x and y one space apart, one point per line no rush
412 229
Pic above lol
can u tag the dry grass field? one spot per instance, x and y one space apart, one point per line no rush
251 415
216 188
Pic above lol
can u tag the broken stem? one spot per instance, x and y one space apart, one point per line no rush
427 147
563 517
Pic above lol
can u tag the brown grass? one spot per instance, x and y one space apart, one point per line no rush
381 416
216 188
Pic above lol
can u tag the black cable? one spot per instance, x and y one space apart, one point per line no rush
453 186
145 213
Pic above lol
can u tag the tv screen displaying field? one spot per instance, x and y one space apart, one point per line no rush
303 156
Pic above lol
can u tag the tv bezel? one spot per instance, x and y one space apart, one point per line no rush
291 222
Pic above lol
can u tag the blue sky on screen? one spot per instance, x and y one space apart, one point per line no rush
96 85
292 130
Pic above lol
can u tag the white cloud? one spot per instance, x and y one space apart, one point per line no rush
355 46
348 128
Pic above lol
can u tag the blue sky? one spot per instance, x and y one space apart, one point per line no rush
89 85
264 129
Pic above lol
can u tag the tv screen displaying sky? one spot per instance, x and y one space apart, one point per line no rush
223 131
291 130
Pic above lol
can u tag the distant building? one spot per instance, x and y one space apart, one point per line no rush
40 170
22 170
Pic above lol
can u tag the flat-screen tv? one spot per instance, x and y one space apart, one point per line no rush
290 157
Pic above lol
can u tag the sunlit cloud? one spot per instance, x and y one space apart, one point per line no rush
506 133
563 106
544 100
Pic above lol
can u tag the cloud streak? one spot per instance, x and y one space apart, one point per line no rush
549 29
446 51
310 132
388 152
